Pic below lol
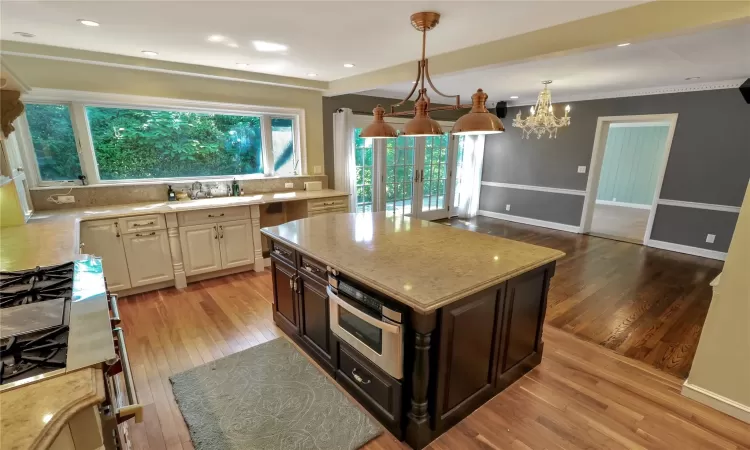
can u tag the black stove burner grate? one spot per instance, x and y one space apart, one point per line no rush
36 285
20 355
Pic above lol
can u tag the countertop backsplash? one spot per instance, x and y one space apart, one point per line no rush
125 194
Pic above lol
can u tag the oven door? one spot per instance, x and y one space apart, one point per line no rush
378 339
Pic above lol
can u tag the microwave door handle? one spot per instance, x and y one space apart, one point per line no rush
387 327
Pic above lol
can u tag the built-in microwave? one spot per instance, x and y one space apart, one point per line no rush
367 324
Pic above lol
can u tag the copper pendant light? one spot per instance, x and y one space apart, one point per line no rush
478 121
378 129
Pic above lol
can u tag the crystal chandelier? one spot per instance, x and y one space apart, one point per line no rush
477 121
542 119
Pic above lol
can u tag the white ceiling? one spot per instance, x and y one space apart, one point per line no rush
713 55
321 36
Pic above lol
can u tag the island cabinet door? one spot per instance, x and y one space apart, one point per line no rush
285 310
315 324
468 352
523 318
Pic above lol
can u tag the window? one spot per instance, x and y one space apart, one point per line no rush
136 143
459 171
363 159
113 142
54 142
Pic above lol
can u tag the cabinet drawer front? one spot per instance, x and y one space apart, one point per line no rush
283 253
314 268
212 215
327 211
326 203
381 390
136 224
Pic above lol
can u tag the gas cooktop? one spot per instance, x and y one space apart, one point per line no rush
36 285
33 354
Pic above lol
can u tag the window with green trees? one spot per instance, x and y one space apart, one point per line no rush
131 143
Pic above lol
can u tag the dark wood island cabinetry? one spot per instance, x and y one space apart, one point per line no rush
459 349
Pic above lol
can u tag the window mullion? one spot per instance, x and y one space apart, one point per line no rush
85 143
265 133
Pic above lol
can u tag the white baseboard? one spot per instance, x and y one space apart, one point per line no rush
697 251
623 204
528 221
716 401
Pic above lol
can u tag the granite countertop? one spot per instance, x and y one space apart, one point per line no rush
424 265
33 420
51 237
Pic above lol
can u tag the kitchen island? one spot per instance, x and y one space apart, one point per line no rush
421 322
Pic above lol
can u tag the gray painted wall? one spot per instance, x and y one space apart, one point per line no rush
359 103
709 161
534 204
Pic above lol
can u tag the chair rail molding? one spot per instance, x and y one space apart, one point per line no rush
529 187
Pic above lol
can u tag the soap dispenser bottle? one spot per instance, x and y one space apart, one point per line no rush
235 188
170 194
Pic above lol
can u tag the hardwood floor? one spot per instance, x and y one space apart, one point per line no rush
620 223
580 396
644 303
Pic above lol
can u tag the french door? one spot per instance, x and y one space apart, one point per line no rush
406 176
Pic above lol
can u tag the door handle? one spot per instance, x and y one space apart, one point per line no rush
216 232
214 215
144 224
153 233
117 230
359 379
221 231
421 179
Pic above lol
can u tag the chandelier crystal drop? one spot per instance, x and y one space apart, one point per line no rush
477 121
542 118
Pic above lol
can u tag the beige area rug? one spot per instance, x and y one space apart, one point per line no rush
268 397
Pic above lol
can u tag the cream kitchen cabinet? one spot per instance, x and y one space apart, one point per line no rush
215 246
148 257
103 238
200 248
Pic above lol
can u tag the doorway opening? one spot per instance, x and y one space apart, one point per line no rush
627 169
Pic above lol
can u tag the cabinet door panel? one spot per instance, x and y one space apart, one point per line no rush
149 258
284 297
315 324
236 241
101 238
525 304
200 248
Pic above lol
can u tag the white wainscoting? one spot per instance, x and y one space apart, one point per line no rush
529 221
709 206
623 204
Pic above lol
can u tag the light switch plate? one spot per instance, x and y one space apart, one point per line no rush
288 185
710 238
581 169
507 207
317 169
66 199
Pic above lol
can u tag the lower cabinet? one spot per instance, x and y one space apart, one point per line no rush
315 316
215 246
284 296
102 238
148 257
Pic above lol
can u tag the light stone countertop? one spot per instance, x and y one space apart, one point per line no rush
33 416
424 265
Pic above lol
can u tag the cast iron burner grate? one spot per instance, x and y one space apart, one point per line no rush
36 285
33 354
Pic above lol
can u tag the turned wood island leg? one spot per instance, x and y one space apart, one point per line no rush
418 431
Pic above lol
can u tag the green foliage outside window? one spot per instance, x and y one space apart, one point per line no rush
133 143
54 142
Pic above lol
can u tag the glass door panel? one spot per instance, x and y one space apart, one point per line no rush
434 177
399 176
364 167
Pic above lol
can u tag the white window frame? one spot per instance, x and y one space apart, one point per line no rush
77 101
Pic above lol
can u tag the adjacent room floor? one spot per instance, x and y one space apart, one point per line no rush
617 222
581 396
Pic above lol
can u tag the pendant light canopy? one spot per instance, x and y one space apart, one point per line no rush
378 129
478 121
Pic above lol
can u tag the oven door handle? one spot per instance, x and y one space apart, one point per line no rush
387 327
134 409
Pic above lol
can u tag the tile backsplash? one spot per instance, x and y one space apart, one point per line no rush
144 193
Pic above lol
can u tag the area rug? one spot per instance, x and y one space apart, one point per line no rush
268 397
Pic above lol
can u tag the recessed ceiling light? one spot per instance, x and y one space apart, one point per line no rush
263 46
311 74
149 53
692 78
624 44
233 45
348 65
216 38
88 23
513 97
24 34
242 65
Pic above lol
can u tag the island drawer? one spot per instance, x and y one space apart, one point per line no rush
380 393
212 215
314 268
282 252
148 222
